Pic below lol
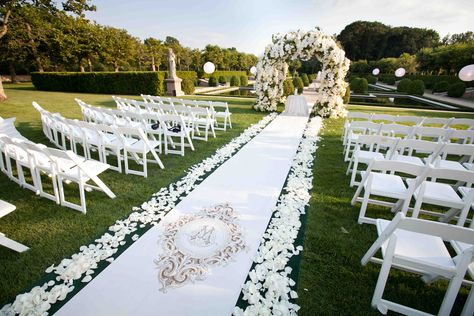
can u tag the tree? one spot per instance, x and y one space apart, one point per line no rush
154 50
8 16
119 49
466 37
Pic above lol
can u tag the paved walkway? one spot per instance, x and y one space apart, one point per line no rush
437 97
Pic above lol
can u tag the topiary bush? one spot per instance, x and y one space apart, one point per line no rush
234 81
288 87
388 79
213 81
371 79
305 79
222 80
244 81
298 84
456 90
188 86
404 85
359 85
417 87
441 86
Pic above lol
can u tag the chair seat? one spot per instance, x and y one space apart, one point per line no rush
365 156
6 208
469 165
448 164
439 194
410 159
138 146
222 114
92 166
425 249
386 185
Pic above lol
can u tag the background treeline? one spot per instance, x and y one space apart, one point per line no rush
41 37
372 45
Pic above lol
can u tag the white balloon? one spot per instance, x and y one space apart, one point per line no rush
467 73
400 72
376 71
209 67
253 70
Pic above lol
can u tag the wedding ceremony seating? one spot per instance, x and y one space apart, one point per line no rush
417 246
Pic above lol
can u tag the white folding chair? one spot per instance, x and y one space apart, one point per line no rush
383 118
382 179
174 126
444 194
221 111
351 117
397 130
462 136
355 129
441 122
369 147
411 150
408 119
417 246
6 208
136 142
462 122
202 118
432 133
465 154
111 144
81 173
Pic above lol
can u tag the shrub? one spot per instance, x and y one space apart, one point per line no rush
212 81
188 86
417 87
226 74
185 74
305 79
388 79
312 77
347 96
244 81
298 84
234 81
359 85
288 87
404 85
130 82
456 90
441 86
371 79
222 80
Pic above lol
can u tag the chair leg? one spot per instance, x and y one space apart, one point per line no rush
363 206
354 172
468 309
383 276
82 194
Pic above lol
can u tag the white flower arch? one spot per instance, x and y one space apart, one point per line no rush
273 67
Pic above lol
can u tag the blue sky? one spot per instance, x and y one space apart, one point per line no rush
248 25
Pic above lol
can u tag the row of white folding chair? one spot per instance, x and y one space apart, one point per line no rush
195 118
383 178
219 110
6 208
419 132
60 166
439 154
452 122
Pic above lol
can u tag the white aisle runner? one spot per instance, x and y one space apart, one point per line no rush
251 182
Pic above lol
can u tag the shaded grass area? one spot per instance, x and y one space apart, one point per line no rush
332 280
54 232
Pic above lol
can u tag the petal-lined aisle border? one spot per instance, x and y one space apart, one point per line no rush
82 265
269 290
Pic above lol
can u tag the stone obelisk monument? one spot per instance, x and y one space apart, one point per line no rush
173 83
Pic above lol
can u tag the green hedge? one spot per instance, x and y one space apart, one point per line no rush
457 90
192 75
234 81
226 74
404 85
133 82
187 85
288 87
359 85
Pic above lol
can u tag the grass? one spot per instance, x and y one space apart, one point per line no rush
332 280
53 232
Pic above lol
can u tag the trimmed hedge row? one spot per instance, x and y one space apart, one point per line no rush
429 80
130 82
101 82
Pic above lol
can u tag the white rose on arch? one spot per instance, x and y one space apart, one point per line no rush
303 45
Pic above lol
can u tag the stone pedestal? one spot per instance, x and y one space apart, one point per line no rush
173 87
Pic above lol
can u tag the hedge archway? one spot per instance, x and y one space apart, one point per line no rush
273 67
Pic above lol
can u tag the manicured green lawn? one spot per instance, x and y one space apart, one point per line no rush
332 279
54 232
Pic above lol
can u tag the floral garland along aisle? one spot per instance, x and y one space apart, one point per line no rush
269 290
273 67
82 265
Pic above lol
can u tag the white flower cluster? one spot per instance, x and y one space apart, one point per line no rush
273 67
82 265
269 290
